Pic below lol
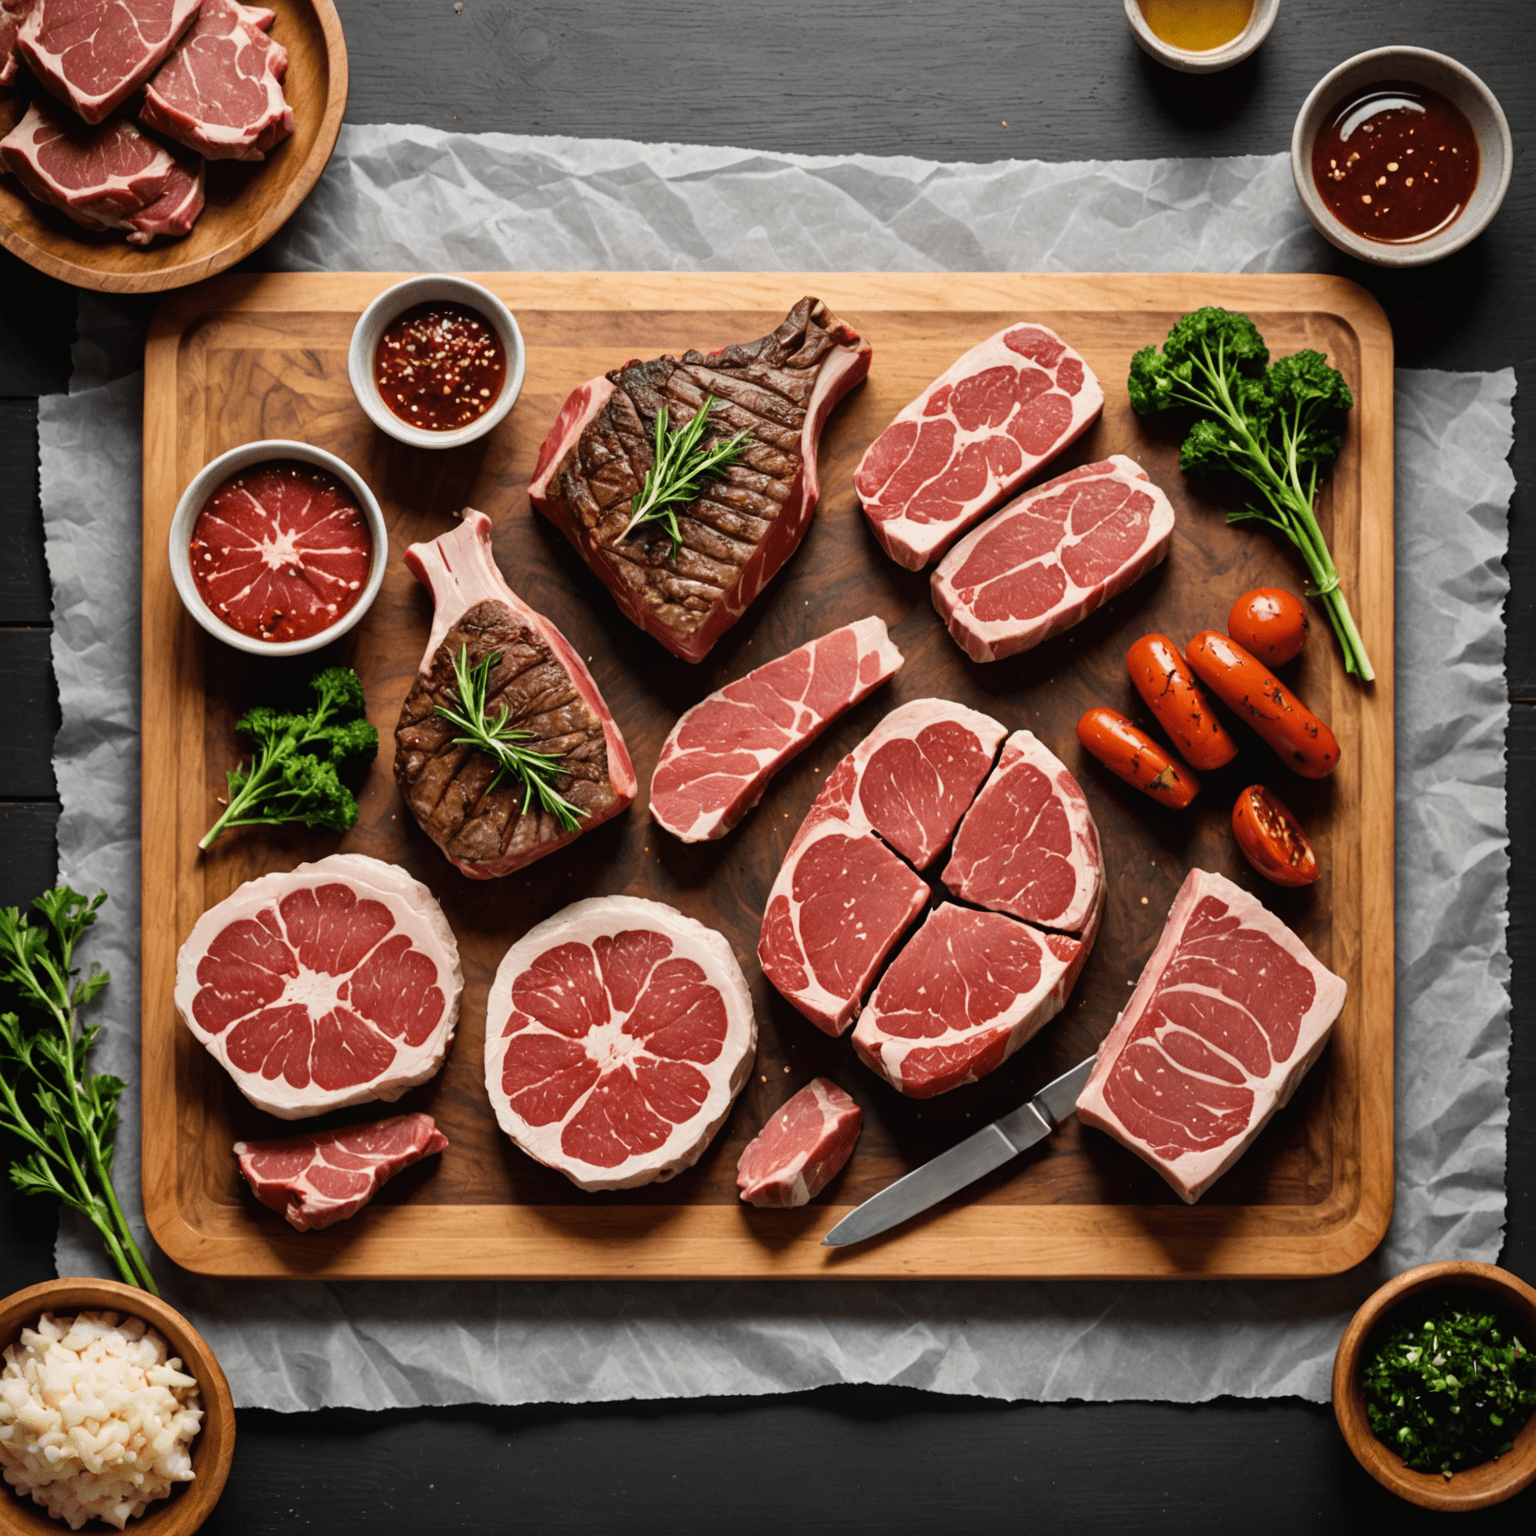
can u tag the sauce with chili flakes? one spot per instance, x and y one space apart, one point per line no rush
1397 163
439 366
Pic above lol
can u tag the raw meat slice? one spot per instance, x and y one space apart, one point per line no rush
322 1177
1028 845
719 757
174 212
801 1149
839 902
979 431
1228 1016
966 991
12 14
617 1034
94 54
220 92
1048 560
748 522
335 984
546 690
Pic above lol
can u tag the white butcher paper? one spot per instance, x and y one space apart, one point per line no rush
401 198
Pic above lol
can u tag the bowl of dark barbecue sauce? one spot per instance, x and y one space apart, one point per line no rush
1401 156
436 361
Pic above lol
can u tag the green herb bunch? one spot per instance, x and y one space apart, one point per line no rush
678 470
65 1117
1279 425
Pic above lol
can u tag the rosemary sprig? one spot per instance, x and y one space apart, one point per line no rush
677 471
537 770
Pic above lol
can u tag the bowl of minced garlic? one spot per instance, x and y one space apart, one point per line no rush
114 1413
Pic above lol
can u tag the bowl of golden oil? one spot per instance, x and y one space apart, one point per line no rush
1200 37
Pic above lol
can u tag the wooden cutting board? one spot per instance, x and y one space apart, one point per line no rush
243 358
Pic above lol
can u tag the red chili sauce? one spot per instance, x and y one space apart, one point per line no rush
440 366
1397 163
281 551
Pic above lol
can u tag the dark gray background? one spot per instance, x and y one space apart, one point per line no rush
829 77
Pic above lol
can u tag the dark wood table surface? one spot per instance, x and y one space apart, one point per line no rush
828 77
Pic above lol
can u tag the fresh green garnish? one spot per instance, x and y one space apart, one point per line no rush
1450 1390
1278 425
678 470
501 741
293 776
65 1117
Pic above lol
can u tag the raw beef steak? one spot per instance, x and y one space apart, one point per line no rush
748 522
94 54
980 430
175 211
546 691
221 90
320 1178
1052 557
12 14
799 1152
719 757
617 1034
335 984
1230 1012
966 991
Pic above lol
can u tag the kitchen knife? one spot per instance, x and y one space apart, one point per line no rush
989 1148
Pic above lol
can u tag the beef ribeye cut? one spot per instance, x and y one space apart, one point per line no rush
618 1033
747 521
801 1149
546 691
337 983
1229 1015
322 1177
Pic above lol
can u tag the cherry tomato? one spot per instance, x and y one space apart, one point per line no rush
1270 624
1136 758
1179 702
1271 838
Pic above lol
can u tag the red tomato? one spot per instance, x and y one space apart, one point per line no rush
1179 702
1271 838
1270 624
1136 758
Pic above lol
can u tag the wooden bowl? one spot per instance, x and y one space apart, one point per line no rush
247 203
190 1504
1493 1481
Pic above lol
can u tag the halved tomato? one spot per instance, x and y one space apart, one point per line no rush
1271 838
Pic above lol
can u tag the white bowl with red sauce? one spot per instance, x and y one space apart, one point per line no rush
334 563
446 352
1357 98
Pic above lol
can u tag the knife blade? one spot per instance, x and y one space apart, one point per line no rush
989 1148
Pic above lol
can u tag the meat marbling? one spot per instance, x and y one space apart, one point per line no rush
801 1149
12 14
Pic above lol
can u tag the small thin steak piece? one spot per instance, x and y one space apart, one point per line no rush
801 1149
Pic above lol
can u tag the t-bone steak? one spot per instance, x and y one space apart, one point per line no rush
12 14
748 520
801 1149
978 432
335 984
322 1177
545 689
618 1032
94 54
1228 1016
719 757
1048 560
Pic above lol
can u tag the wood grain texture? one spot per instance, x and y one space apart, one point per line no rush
246 203
24 595
26 750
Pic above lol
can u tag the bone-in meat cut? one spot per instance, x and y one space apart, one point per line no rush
801 1149
335 984
748 520
1230 1013
1049 559
546 690
618 1033
94 54
12 14
718 758
322 1177
977 433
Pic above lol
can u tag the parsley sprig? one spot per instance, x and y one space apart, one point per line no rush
677 471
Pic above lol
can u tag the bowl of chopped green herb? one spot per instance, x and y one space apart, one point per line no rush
1434 1385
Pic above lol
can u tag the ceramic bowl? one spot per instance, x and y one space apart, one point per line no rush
203 486
388 307
1208 60
1417 66
188 1505
1477 1487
